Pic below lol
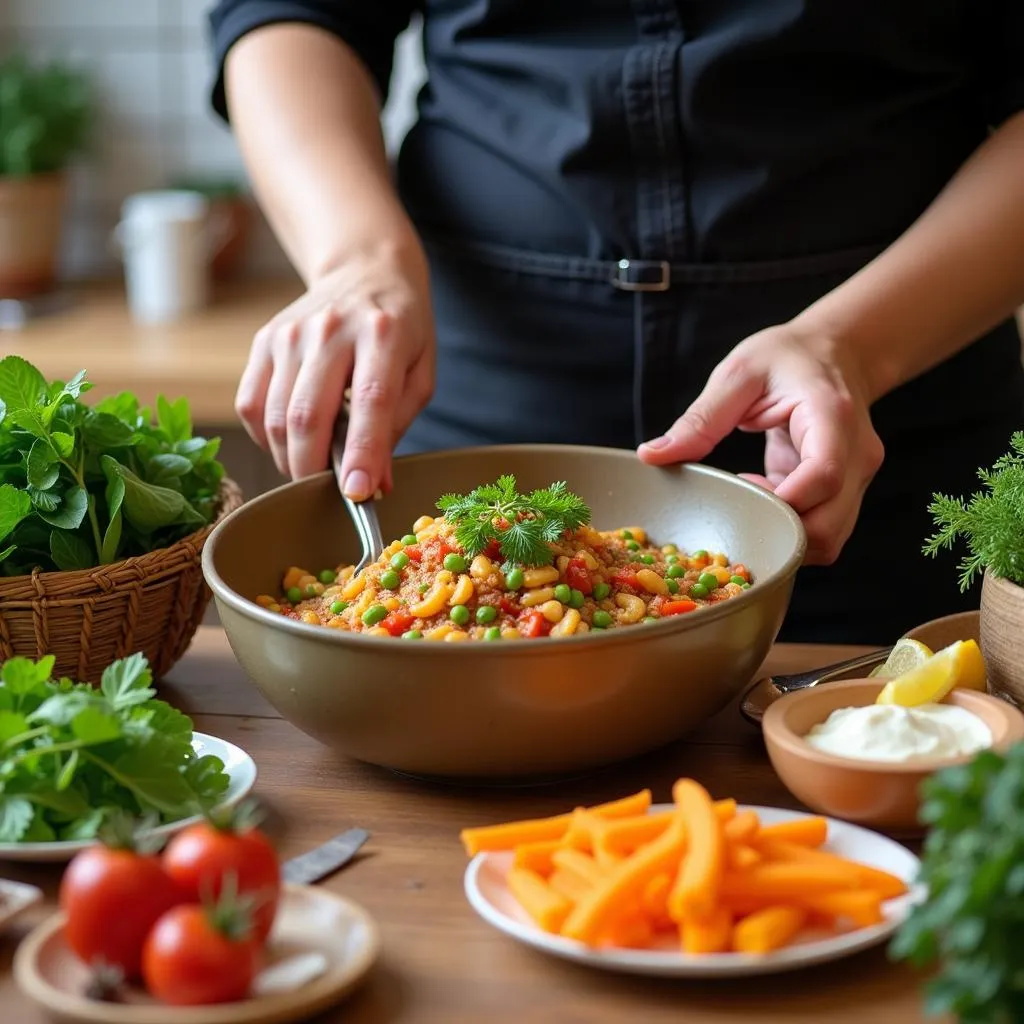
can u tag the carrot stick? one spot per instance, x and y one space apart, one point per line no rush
784 881
536 856
511 834
863 909
654 900
580 864
739 856
886 885
625 883
632 931
548 908
768 929
712 934
624 835
803 831
566 884
695 891
742 828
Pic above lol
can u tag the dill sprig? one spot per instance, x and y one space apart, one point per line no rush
991 523
524 525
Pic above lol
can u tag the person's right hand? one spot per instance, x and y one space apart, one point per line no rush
369 325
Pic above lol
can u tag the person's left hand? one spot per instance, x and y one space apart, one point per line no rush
809 398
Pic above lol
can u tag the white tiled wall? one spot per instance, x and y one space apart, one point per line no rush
152 71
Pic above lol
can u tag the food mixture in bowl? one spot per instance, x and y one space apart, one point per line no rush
499 565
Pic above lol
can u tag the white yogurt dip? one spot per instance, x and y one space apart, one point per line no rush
888 732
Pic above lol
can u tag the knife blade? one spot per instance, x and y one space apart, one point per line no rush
325 859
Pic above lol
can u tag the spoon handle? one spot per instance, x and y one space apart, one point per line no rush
363 513
786 684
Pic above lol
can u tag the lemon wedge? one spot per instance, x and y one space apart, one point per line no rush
906 655
960 664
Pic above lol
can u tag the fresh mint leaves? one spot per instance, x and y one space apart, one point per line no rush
71 755
84 485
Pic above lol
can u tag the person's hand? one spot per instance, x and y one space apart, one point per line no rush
368 325
809 399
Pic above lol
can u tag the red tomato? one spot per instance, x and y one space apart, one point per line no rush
677 607
626 578
189 961
199 858
576 576
532 623
508 606
112 899
415 553
396 623
493 550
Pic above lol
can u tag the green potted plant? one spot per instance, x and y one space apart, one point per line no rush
991 523
46 114
231 212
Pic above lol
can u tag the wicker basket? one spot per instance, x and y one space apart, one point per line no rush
88 618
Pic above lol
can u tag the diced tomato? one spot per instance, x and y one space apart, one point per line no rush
415 553
493 550
739 569
502 523
577 577
533 624
508 606
677 607
396 623
446 548
626 578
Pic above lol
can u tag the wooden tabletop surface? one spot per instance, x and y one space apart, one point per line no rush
201 356
441 964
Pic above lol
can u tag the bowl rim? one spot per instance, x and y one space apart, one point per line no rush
777 731
676 624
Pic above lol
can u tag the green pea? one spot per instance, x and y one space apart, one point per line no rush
700 553
399 559
293 594
627 534
486 613
647 559
494 633
602 619
671 559
454 563
576 598
311 590
327 576
459 615
374 614
390 580
738 580
412 634
563 593
708 580
632 545
746 586
673 586
409 538
601 591
337 607
698 590
514 579
675 571
650 618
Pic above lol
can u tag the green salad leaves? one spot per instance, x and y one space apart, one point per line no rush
972 922
84 485
71 755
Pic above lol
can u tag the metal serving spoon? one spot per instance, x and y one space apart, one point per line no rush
762 694
363 513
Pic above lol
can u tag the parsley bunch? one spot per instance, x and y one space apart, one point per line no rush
71 756
524 525
972 921
992 523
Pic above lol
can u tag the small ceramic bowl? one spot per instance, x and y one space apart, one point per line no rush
878 794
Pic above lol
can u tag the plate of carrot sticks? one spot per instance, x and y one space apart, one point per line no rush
696 888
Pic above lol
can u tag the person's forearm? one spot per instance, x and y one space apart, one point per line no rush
307 118
956 273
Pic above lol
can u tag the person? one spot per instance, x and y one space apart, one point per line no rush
784 238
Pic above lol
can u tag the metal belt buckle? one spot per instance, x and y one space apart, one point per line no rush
642 276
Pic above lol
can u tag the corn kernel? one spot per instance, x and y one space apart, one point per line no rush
311 618
422 523
552 610
651 581
481 567
540 576
537 596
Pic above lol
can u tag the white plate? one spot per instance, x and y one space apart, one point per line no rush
15 898
241 770
490 898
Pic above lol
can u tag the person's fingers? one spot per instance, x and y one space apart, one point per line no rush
731 390
286 359
819 433
251 396
317 394
780 457
829 526
377 381
757 478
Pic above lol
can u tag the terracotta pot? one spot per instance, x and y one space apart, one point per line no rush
31 215
1002 637
233 215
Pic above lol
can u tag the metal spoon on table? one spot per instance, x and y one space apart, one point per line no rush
363 513
763 693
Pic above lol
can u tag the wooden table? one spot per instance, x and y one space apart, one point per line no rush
441 964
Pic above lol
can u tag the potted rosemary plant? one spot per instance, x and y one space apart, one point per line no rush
45 120
991 523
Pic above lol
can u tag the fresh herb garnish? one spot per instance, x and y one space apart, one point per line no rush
70 754
82 486
973 867
524 525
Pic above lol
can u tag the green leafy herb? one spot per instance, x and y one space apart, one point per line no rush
973 868
82 486
72 756
992 523
524 525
